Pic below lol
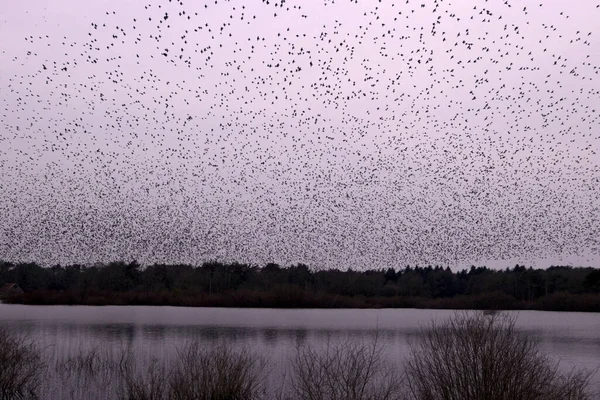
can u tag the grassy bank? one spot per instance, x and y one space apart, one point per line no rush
469 356
289 297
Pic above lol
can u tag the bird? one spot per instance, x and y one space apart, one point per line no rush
337 134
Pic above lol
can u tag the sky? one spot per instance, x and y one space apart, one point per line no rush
339 134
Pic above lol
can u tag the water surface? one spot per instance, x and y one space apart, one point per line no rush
572 338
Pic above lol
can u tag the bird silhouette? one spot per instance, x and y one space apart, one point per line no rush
339 134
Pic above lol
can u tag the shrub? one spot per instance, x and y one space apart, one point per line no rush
196 372
481 356
345 371
216 373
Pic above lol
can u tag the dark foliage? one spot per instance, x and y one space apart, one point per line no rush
219 284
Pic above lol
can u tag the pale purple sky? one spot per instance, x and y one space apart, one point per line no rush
334 133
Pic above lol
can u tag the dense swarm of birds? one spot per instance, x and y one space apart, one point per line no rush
361 134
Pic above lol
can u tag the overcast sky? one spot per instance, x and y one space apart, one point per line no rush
361 134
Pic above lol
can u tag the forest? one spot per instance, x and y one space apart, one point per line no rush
560 288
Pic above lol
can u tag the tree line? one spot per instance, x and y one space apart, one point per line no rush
518 284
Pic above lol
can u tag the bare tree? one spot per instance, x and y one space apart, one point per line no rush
482 356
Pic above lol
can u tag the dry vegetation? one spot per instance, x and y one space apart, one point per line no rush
196 373
20 366
478 356
482 356
345 371
216 373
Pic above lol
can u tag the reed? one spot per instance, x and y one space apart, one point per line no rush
21 366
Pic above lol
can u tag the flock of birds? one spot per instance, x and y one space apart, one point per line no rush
340 134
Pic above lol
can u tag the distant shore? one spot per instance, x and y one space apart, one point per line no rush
215 284
294 298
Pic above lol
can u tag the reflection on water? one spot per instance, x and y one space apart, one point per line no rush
564 335
573 338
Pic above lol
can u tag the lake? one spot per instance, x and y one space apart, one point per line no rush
572 338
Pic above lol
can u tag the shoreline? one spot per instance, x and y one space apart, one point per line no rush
557 302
